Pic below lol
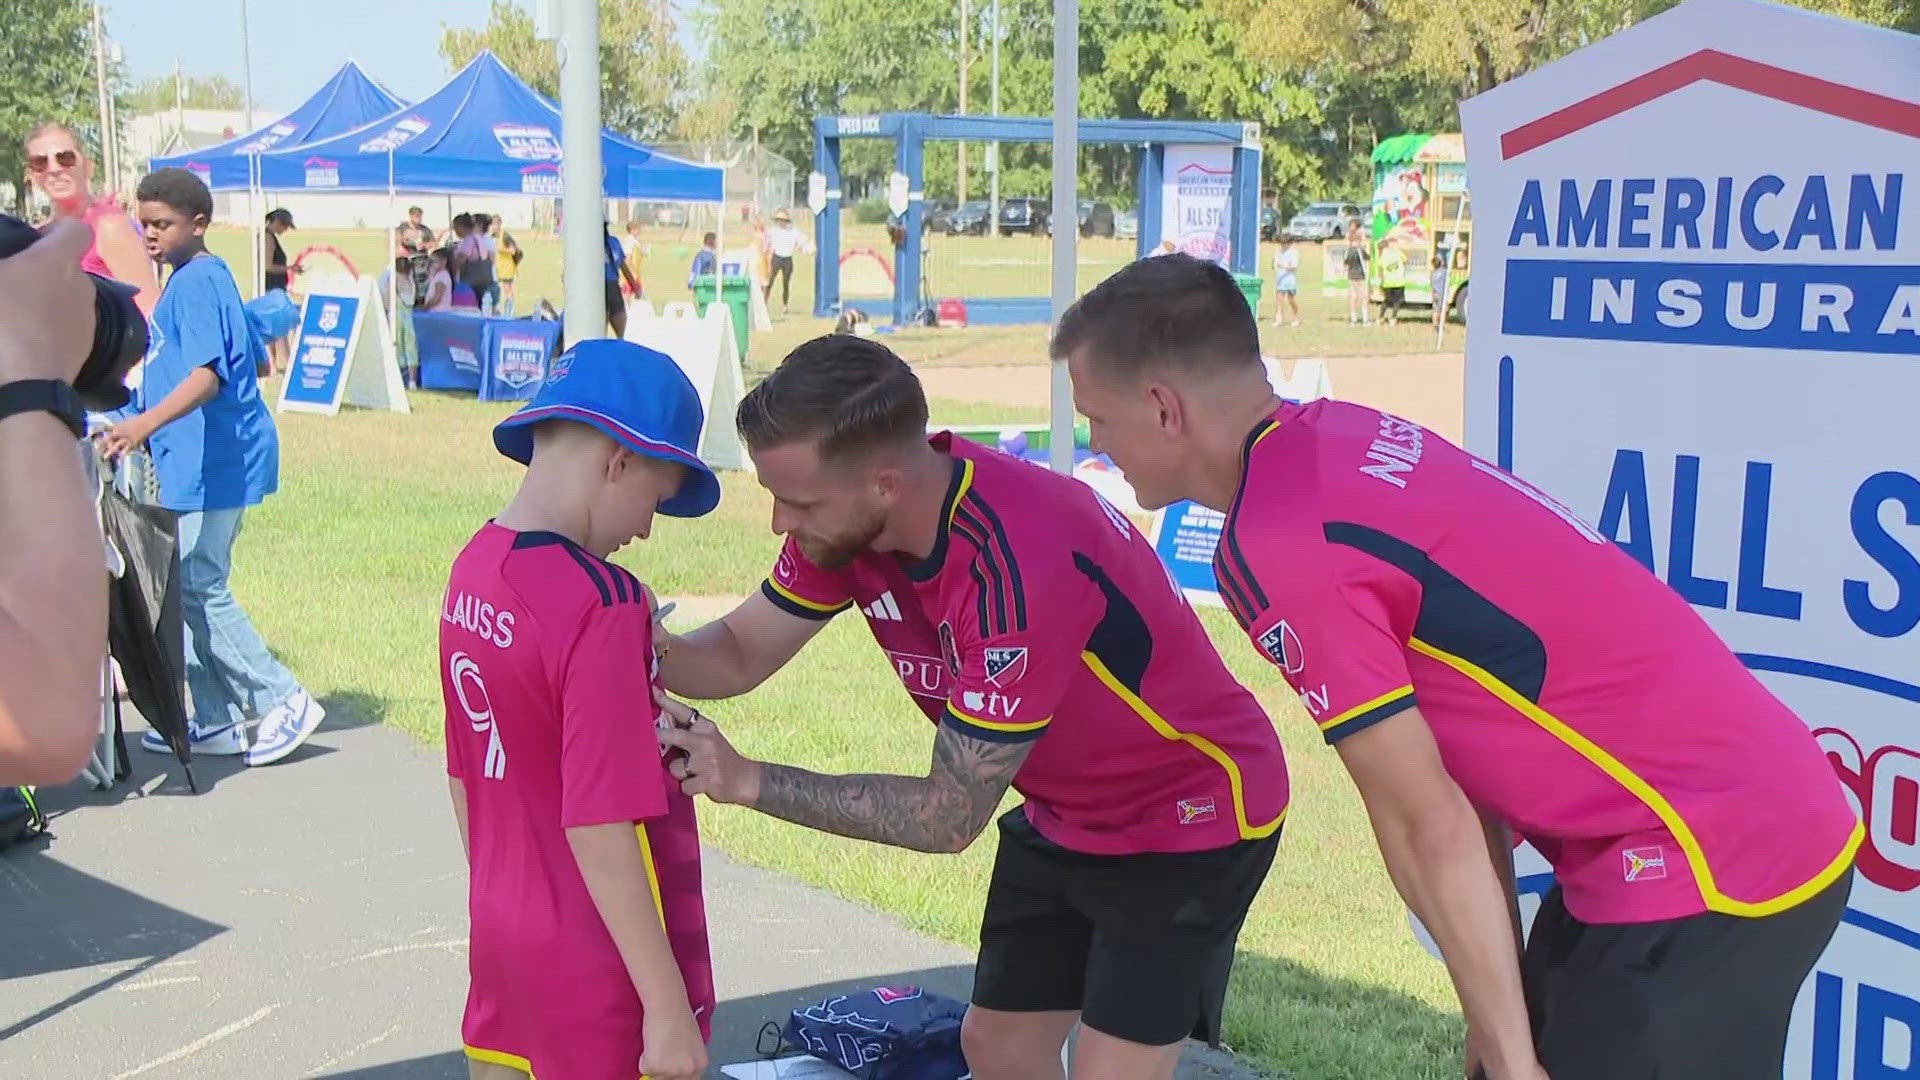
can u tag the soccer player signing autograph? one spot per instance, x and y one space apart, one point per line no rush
1034 627
588 954
1486 663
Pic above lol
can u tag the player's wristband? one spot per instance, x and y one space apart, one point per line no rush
45 395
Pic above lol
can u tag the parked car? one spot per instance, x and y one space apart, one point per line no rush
934 215
1126 225
1096 218
970 218
1269 223
1323 221
1024 215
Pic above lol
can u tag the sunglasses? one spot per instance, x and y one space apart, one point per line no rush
66 159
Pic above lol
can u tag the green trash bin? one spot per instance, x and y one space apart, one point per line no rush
737 292
1251 286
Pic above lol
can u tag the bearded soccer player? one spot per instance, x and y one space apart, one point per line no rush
1486 663
1036 629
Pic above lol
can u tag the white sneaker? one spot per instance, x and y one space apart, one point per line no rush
224 741
281 731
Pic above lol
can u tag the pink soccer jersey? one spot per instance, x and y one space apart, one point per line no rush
550 724
1571 692
1043 615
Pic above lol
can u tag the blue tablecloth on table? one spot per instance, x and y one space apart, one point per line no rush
498 359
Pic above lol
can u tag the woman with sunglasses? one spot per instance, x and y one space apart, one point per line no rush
60 169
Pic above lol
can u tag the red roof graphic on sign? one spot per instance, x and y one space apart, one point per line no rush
1738 72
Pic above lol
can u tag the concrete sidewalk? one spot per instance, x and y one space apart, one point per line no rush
308 920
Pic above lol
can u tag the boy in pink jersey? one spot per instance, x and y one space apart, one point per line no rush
1036 629
1486 663
588 946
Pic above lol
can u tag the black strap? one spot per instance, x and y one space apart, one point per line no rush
45 395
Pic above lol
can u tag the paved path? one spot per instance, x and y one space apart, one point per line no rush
308 920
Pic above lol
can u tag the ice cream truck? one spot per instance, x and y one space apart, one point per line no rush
1420 202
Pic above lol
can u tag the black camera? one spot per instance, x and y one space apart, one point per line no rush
119 329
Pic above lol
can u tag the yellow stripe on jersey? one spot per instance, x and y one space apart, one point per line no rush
498 1057
996 725
810 605
960 489
1272 426
1248 830
1365 707
1650 797
653 871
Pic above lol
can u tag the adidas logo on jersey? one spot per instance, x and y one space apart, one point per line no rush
883 609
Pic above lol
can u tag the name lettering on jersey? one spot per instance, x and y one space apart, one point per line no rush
1395 450
1316 700
925 676
1197 811
1004 665
1644 863
883 608
1591 534
1283 647
470 690
990 704
476 616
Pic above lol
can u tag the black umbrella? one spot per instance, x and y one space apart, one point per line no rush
145 627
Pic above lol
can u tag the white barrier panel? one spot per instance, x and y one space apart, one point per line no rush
704 349
1675 226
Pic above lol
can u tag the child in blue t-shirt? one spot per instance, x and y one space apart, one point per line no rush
215 453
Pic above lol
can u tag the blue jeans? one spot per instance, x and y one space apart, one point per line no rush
230 673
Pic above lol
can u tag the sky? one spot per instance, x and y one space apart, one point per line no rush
297 44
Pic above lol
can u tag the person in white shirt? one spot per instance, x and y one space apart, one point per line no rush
783 241
406 345
1286 283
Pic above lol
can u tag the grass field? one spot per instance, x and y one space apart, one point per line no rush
343 572
956 266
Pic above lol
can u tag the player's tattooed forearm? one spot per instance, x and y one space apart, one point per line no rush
940 812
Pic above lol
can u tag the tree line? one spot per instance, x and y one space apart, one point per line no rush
1325 79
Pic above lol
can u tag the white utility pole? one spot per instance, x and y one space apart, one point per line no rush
994 149
1066 218
583 226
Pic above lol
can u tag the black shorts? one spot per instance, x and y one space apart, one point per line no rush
616 302
1706 997
1140 945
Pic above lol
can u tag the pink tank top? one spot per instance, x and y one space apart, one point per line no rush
90 261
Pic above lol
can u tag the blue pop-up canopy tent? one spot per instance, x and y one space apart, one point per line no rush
348 101
484 133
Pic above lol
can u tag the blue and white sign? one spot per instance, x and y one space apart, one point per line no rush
318 374
344 352
1185 536
1698 324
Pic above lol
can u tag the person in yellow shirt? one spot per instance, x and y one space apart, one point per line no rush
1393 279
506 266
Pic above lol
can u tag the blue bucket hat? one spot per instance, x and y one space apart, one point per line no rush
638 396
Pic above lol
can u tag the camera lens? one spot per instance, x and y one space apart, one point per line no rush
119 328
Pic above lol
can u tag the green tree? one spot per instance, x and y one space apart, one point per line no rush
158 94
644 73
46 73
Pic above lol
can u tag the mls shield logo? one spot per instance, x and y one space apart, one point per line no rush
1005 665
1282 646
1644 863
329 317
